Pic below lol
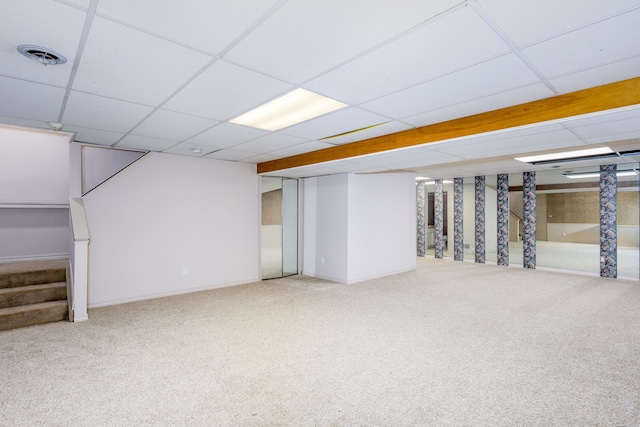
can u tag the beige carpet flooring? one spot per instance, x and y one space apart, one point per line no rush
450 344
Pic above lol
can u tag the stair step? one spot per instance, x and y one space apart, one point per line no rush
33 294
32 273
32 314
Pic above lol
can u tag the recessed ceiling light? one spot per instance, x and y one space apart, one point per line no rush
597 174
290 109
195 150
566 155
40 54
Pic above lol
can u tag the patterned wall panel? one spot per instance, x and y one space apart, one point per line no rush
458 216
480 220
421 212
608 222
529 219
503 219
438 219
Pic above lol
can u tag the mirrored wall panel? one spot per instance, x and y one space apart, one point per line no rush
279 227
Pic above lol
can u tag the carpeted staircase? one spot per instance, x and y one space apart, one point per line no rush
33 293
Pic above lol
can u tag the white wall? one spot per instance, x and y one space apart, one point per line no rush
382 225
166 213
326 227
34 166
34 195
33 234
358 227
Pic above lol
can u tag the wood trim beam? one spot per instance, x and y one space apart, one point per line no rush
600 98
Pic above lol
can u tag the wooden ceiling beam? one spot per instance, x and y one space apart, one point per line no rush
597 99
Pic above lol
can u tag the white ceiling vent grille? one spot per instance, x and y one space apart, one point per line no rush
41 54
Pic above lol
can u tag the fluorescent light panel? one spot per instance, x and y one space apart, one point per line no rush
290 109
597 174
446 181
565 155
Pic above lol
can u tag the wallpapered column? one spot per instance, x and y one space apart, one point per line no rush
503 219
438 219
421 212
608 221
529 220
458 215
480 219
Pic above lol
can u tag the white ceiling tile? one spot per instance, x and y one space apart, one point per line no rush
202 24
378 73
604 132
94 136
31 22
495 167
232 155
31 101
268 143
410 158
127 64
592 77
305 147
605 117
504 144
23 122
530 21
145 143
186 149
260 158
81 3
508 98
489 78
345 120
174 126
224 91
383 129
96 112
609 41
226 135
304 38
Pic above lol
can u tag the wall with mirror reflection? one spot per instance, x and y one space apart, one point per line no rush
567 219
279 227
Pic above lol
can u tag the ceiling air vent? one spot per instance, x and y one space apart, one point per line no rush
41 54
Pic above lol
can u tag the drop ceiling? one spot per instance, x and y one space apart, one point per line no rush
168 75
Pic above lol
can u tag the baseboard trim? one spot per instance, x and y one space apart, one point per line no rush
171 293
34 258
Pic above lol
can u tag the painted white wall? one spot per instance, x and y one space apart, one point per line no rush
34 172
326 227
382 225
34 166
358 227
166 213
308 220
33 234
